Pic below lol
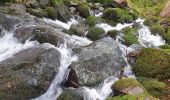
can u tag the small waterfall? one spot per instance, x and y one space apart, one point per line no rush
146 38
10 45
59 23
55 89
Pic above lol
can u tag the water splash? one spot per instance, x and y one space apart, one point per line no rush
55 89
10 45
147 39
61 24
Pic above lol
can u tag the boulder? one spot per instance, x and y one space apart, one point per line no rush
28 73
97 61
38 33
166 10
8 23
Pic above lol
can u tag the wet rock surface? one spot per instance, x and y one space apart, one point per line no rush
28 73
97 61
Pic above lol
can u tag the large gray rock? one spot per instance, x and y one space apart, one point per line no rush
28 73
8 22
98 61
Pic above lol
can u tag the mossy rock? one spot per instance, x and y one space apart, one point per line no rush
126 83
113 33
153 63
153 86
117 15
37 12
92 21
84 10
149 21
158 29
52 13
95 33
132 97
129 36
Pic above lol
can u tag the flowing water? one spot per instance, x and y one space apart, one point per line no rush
10 46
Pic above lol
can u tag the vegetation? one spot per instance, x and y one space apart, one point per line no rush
147 7
129 37
52 13
92 20
153 86
167 37
125 83
84 10
117 15
132 97
95 33
158 29
166 46
104 2
113 33
153 63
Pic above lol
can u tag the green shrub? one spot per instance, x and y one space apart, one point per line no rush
153 86
84 10
158 29
113 33
129 37
52 13
95 33
153 63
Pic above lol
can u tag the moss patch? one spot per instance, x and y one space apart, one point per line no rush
129 37
152 63
92 20
95 33
117 15
153 86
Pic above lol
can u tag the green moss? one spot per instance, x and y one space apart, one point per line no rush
129 37
92 20
158 29
153 63
147 7
153 86
167 37
95 33
132 97
117 15
125 83
52 13
104 2
84 10
113 33
149 21
166 46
